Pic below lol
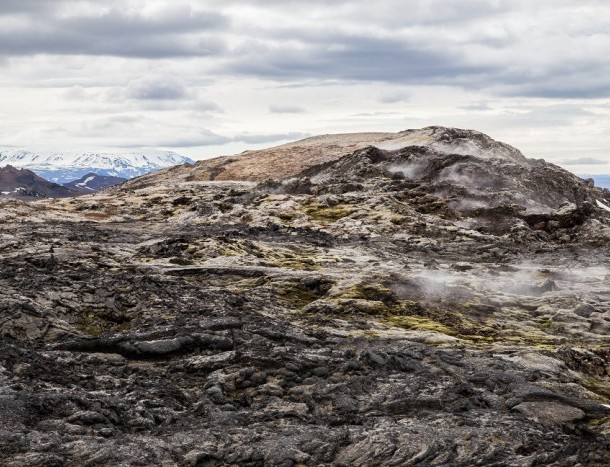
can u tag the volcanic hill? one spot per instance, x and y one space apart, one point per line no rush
430 297
25 184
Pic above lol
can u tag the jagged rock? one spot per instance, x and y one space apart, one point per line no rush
585 310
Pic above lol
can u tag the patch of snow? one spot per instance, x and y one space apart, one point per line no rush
84 182
602 205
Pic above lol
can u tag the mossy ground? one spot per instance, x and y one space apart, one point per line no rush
419 323
296 296
328 214
374 300
374 292
96 323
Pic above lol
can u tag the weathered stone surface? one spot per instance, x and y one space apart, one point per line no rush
550 412
439 303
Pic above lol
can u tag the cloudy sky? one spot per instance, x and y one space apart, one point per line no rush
217 77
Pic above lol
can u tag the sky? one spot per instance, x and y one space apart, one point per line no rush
215 77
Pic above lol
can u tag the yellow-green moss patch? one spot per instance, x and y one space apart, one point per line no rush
95 323
329 214
419 323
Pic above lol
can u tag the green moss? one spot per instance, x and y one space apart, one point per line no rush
599 422
373 292
297 296
545 324
96 323
304 259
528 339
302 264
364 307
407 307
419 323
601 388
329 214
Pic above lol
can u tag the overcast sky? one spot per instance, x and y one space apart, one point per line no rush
217 77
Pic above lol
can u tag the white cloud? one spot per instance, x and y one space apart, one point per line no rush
223 76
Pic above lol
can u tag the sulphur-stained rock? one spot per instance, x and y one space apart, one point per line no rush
428 297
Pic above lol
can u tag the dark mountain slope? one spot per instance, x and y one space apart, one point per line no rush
25 184
93 182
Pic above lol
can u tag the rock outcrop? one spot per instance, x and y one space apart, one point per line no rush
431 297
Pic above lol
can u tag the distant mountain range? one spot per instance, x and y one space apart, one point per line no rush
26 185
64 167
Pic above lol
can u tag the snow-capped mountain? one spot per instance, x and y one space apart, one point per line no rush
62 167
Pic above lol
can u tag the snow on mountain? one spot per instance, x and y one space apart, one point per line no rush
62 167
93 182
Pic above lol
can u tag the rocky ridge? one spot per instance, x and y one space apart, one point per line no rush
436 299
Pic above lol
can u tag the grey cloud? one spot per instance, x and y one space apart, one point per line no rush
584 161
561 91
135 130
204 106
209 138
473 44
194 105
157 88
477 107
286 109
584 78
548 116
180 20
26 6
177 32
136 46
374 114
442 46
356 58
205 138
390 12
395 97
271 138
76 93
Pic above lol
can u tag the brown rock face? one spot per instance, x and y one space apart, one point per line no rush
291 159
